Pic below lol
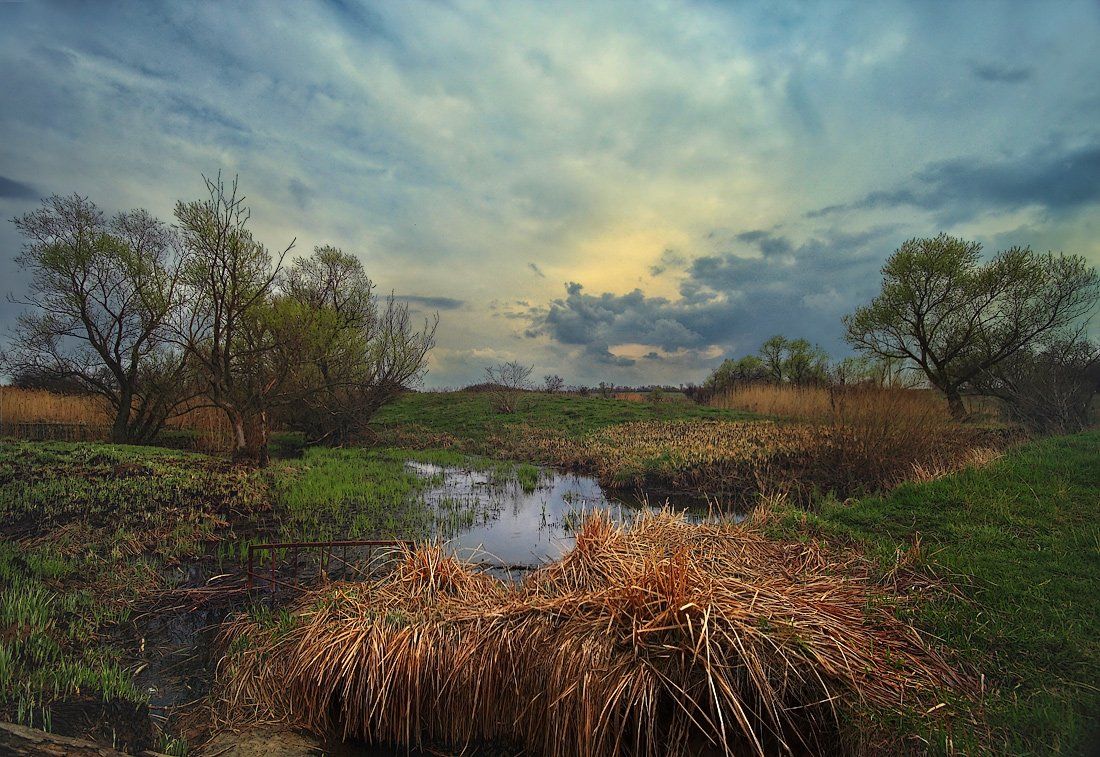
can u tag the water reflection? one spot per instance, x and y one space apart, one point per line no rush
504 523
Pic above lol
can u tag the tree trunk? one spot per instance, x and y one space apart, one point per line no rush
955 404
251 434
120 430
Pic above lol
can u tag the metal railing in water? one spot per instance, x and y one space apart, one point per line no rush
327 554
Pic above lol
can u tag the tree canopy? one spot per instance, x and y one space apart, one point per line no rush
957 317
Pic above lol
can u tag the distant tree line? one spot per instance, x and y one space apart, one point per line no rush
157 319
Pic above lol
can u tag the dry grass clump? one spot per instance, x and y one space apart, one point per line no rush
661 638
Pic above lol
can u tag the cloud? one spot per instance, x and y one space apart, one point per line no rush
538 271
767 242
17 190
1001 73
439 303
669 259
730 303
1054 179
299 192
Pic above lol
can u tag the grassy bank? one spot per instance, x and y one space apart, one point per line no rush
1021 538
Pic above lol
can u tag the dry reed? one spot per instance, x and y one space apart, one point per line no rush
39 414
661 638
39 406
821 402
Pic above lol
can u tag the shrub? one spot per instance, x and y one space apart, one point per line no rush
506 384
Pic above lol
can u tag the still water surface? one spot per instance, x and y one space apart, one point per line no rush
502 523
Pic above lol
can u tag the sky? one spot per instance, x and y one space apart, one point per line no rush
624 192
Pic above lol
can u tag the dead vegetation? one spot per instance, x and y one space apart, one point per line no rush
738 462
660 638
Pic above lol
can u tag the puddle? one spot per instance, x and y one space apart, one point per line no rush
504 526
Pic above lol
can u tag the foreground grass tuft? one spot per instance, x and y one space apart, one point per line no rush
661 637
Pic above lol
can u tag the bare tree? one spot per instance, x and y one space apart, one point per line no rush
101 296
957 318
552 384
232 328
507 382
1050 388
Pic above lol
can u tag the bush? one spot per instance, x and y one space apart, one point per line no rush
506 384
1050 390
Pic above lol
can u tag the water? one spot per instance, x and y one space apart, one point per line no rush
500 524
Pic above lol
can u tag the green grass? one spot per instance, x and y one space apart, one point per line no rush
1021 537
468 418
47 640
84 531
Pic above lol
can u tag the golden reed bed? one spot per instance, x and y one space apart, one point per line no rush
661 638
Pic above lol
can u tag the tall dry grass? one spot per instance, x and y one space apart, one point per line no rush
821 402
664 637
40 414
43 415
40 406
779 400
871 437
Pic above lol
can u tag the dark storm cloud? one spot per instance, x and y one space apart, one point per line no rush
439 303
768 242
732 302
17 190
959 189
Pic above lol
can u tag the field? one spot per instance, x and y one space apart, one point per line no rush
968 555
466 420
858 442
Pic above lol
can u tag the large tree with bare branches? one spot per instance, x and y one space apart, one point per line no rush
957 318
101 296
